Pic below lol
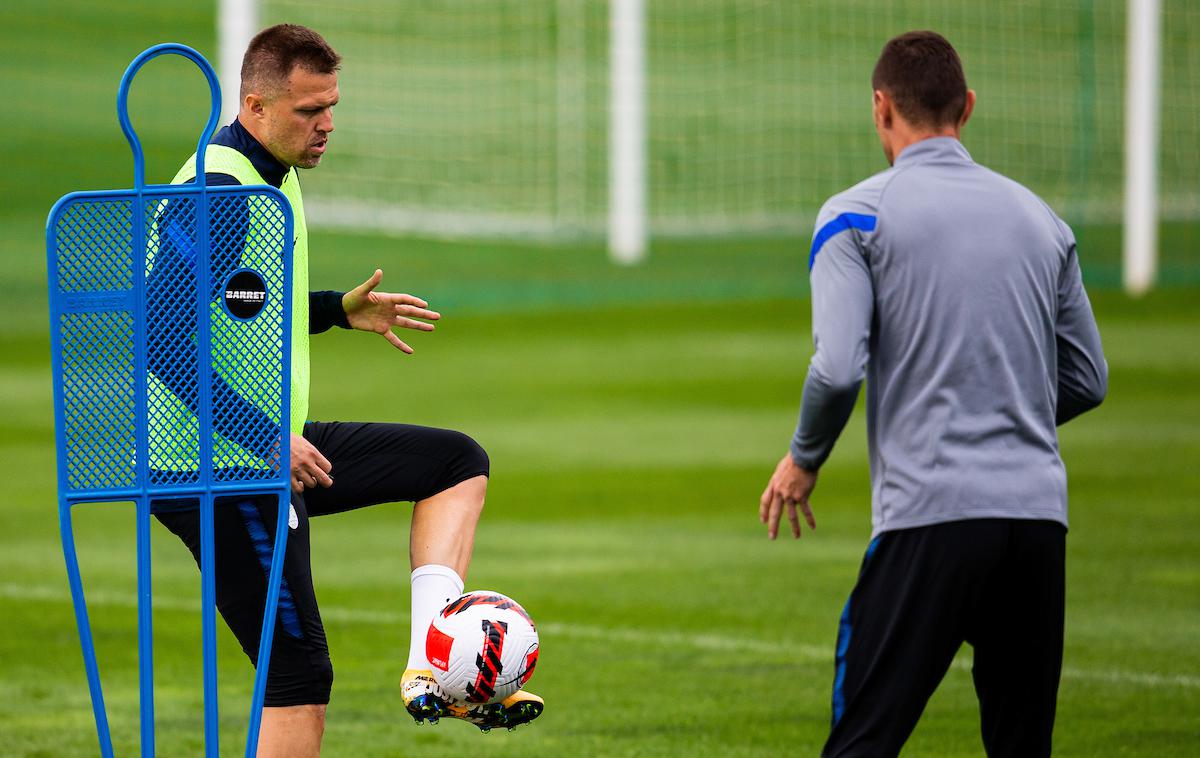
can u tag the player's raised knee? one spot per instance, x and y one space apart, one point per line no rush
466 458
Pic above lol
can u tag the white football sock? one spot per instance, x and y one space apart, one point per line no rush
433 586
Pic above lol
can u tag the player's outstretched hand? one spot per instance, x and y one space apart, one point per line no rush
790 486
309 467
380 312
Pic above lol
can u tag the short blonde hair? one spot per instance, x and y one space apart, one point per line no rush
275 51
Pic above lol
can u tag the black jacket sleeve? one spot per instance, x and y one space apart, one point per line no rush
325 311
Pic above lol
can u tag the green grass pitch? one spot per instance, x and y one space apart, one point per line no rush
632 417
629 445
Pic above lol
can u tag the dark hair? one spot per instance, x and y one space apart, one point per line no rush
924 76
275 51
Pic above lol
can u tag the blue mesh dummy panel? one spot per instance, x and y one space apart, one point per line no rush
185 341
170 323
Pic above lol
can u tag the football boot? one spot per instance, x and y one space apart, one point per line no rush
425 700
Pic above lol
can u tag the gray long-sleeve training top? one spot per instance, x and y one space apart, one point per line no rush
956 293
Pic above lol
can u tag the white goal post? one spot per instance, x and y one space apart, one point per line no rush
237 23
1142 106
627 132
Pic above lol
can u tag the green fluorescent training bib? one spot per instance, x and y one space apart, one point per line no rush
220 159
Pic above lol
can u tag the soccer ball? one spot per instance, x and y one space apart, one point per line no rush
483 647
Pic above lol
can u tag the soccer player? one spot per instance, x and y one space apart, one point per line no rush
956 292
289 86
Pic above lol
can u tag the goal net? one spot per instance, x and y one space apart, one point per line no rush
491 117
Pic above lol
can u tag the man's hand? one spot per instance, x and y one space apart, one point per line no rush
789 487
309 467
380 312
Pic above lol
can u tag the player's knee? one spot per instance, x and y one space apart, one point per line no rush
470 458
300 682
318 681
322 679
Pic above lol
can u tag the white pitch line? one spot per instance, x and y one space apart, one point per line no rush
709 642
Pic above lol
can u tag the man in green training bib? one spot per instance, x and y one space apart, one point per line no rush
289 86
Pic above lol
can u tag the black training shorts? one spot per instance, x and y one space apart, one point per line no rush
996 584
372 463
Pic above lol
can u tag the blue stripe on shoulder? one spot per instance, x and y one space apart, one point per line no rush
841 223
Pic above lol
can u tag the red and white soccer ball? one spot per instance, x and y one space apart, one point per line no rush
483 647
